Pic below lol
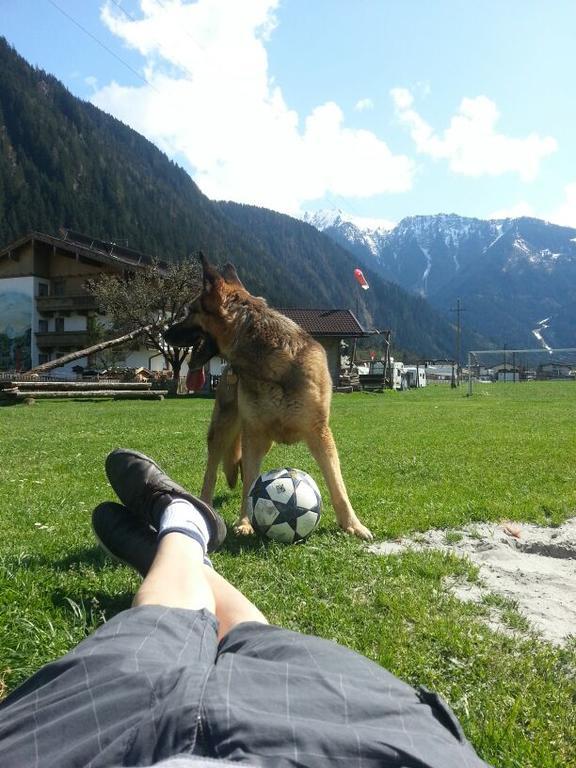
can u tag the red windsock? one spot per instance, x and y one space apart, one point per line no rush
361 279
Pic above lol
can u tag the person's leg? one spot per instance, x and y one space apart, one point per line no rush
232 607
176 578
173 570
169 573
322 705
131 692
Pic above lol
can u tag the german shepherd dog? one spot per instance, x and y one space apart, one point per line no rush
276 388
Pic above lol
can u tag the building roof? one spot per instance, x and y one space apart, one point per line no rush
326 322
76 243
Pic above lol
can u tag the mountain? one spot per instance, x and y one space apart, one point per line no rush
323 272
510 274
63 162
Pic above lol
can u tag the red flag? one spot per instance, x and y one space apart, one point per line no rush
361 279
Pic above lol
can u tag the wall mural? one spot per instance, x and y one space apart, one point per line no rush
15 329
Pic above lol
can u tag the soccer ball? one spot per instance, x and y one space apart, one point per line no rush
284 505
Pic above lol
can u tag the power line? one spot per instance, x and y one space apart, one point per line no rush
101 44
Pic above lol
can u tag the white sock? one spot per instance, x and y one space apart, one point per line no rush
181 516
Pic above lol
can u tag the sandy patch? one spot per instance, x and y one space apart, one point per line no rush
534 566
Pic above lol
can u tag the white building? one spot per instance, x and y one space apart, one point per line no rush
45 309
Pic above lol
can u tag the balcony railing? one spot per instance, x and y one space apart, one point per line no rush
62 339
65 303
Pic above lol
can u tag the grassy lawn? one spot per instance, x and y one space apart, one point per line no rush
411 461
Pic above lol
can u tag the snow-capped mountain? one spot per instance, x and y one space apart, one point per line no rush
509 273
353 231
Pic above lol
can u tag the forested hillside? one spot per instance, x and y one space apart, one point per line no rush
63 162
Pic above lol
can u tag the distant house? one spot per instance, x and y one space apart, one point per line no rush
45 310
555 371
506 372
439 372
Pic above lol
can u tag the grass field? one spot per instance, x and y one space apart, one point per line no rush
411 461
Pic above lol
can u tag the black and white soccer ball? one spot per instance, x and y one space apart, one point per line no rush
284 505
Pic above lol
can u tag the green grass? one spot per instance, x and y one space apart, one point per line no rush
411 461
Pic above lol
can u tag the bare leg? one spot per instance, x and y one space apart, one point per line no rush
232 607
178 578
323 449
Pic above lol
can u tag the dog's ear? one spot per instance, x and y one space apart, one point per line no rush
229 274
210 275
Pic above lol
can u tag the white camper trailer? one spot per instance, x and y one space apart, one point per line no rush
415 375
399 378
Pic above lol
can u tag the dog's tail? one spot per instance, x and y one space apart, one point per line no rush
232 462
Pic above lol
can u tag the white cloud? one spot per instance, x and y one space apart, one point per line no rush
91 82
565 214
471 143
363 104
514 211
211 100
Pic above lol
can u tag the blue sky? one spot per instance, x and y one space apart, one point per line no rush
383 108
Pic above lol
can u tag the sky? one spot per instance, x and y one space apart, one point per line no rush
380 108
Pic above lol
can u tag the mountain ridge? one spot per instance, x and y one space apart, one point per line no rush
510 272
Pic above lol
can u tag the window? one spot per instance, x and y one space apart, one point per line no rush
58 287
59 324
42 289
43 358
43 326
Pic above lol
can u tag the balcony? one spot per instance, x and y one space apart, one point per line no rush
76 303
62 339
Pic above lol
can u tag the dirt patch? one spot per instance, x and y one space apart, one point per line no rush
534 567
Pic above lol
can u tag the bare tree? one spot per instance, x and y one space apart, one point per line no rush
150 299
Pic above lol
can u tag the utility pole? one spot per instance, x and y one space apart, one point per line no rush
458 309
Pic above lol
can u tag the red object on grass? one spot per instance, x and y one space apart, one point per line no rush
195 380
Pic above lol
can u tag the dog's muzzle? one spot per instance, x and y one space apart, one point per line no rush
202 346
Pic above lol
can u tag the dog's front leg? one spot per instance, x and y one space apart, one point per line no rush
323 449
223 436
254 447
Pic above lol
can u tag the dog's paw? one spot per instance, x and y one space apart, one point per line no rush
357 529
243 528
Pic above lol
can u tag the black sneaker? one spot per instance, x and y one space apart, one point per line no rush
143 487
124 537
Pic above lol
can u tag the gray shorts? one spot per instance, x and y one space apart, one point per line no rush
154 682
